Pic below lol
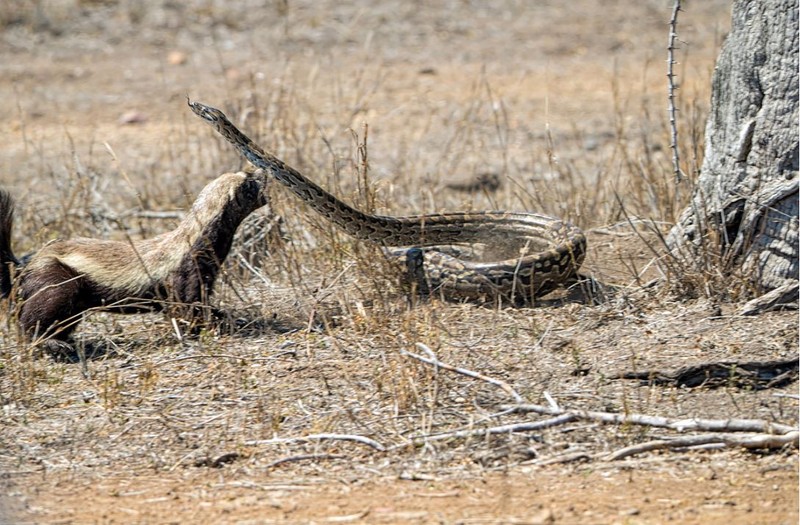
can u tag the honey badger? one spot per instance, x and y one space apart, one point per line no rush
175 270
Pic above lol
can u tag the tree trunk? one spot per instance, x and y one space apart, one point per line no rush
746 199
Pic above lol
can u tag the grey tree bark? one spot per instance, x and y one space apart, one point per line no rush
746 199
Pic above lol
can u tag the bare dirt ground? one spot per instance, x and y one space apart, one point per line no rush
564 101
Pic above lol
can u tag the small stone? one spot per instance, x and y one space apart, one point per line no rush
176 58
132 117
544 517
233 74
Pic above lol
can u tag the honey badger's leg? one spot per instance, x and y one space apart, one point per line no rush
193 281
7 258
50 303
48 295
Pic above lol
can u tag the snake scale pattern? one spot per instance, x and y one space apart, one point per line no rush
530 254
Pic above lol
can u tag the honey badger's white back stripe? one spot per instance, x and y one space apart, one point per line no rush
136 267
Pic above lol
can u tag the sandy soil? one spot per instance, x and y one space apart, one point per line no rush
683 491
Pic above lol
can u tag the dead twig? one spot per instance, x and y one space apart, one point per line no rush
346 518
681 425
302 457
726 440
433 361
571 457
502 429
671 88
319 437
788 396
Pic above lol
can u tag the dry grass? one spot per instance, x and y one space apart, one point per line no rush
325 324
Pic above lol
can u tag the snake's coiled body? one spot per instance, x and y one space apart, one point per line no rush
537 253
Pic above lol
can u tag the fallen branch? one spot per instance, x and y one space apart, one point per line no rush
753 374
727 440
318 437
681 425
433 361
783 297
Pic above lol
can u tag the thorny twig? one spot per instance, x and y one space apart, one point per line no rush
671 88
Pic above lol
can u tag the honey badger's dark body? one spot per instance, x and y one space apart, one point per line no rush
65 278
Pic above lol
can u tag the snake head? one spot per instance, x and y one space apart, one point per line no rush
207 113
